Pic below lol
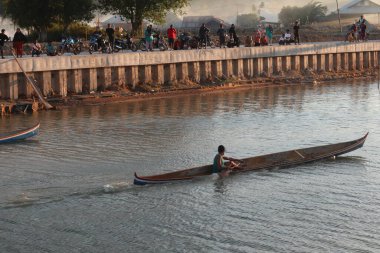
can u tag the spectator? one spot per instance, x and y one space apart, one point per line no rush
269 33
296 29
288 37
50 50
363 33
111 34
172 36
203 30
3 38
248 41
222 36
281 41
149 38
257 38
232 33
36 49
18 42
98 35
362 20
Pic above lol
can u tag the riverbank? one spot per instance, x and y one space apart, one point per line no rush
149 92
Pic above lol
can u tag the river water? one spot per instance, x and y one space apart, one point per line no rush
70 188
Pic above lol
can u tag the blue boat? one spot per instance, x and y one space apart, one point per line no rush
20 134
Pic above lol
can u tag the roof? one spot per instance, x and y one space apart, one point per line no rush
200 19
115 20
360 7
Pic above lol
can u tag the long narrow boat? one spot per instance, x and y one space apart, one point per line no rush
20 134
276 160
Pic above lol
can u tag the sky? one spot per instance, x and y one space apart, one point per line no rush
227 9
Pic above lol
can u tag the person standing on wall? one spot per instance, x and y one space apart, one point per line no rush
3 38
111 34
203 33
296 29
269 33
149 38
172 36
18 42
222 36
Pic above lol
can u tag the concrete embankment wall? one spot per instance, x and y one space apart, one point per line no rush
61 75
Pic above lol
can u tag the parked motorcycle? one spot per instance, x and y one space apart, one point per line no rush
70 45
159 42
233 42
124 44
98 43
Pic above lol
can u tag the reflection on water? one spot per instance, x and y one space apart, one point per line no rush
71 187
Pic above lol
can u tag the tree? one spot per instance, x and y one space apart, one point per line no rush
41 14
248 20
71 11
138 10
311 12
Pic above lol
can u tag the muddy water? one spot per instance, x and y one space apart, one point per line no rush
70 189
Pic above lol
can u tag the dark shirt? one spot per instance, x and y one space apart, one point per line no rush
221 32
296 28
3 38
19 37
110 32
203 31
232 31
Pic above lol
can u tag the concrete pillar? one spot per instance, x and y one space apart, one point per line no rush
205 69
12 91
286 63
367 60
121 77
277 64
352 61
313 62
321 62
170 73
93 80
46 83
345 61
194 72
132 76
74 80
107 77
145 74
359 60
237 66
295 62
337 63
329 60
158 74
60 82
304 62
217 69
248 68
268 65
183 71
227 68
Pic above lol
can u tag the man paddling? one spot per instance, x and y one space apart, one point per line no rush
222 163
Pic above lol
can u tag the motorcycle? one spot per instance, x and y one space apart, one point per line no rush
124 44
159 42
70 45
98 43
233 42
183 41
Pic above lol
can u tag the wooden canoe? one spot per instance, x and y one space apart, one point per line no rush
270 161
20 134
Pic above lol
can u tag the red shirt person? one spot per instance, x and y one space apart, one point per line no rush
172 35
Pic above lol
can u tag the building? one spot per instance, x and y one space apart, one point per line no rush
360 7
193 23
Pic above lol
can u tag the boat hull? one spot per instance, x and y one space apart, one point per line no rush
20 135
276 160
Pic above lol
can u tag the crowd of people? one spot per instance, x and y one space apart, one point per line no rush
357 31
227 37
